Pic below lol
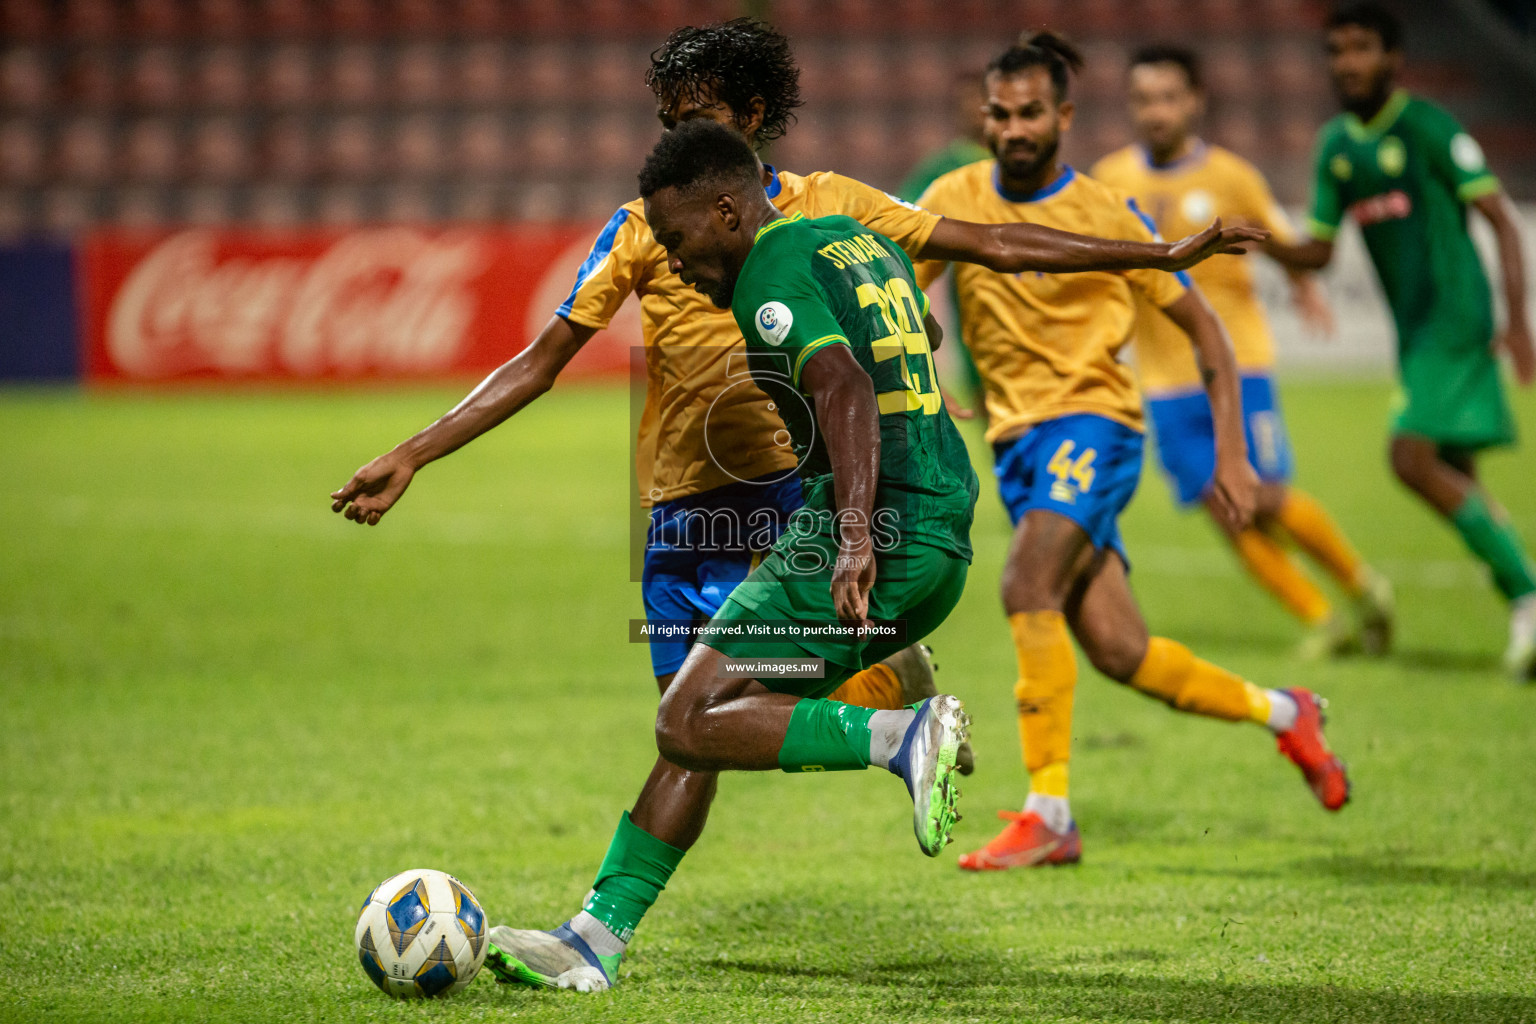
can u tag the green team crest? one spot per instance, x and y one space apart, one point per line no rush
1341 167
1391 156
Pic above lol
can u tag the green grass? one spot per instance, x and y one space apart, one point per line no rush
228 714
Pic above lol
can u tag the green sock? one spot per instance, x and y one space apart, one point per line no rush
633 874
1494 540
826 736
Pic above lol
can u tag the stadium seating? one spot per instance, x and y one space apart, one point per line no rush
161 111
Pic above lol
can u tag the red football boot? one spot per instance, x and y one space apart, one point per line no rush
1305 745
1026 842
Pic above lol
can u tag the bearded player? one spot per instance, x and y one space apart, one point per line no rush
1065 423
1177 178
707 439
1406 172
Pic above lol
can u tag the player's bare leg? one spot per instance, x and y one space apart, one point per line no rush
1446 479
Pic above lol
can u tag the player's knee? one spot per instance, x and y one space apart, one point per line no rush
1025 589
676 739
1117 655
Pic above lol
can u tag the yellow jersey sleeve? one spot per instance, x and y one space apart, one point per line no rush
929 271
906 224
618 262
1256 203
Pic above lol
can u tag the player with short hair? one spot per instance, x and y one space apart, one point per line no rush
838 333
708 437
1065 423
1406 172
1178 178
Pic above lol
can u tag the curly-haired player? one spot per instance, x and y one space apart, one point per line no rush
711 447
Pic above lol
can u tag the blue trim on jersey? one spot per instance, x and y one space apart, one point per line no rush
1195 156
1062 181
1152 227
601 249
775 186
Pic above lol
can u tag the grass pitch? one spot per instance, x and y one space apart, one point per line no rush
229 713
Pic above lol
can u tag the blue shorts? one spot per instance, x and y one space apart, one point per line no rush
699 547
1186 437
1084 467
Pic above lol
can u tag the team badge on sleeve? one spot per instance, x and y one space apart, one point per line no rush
1467 154
773 322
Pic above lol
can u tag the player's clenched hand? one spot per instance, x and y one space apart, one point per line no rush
852 578
1516 340
374 489
1235 492
1213 241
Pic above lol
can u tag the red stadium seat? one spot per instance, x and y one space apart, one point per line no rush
90 80
155 78
288 78
482 72
26 80
89 20
547 144
481 146
352 78
474 202
221 19
288 149
67 210
15 216
22 153
284 19
416 146
150 151
342 206
407 202
25 20
275 206
221 77
544 74
218 150
419 75
83 151
351 148
141 207
156 19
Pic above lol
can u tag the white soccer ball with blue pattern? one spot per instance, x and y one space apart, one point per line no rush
421 933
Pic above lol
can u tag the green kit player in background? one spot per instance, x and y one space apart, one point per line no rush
1406 172
838 335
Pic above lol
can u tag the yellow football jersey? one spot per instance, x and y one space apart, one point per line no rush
705 424
1046 344
1181 199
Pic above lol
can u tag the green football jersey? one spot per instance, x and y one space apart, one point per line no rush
1406 177
808 284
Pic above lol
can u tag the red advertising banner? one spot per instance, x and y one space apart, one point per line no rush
366 303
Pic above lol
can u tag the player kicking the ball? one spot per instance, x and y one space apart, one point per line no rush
740 74
1066 428
837 331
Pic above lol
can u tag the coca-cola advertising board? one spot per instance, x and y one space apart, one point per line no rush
368 303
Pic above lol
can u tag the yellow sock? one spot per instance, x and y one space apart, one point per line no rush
1272 566
1310 525
1171 673
876 687
1047 682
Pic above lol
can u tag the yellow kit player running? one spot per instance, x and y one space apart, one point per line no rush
711 449
1065 424
1178 179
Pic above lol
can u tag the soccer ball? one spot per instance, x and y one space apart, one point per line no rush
421 933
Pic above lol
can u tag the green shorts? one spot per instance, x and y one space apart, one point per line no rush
1454 397
915 582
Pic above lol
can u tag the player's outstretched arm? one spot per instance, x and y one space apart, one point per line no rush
1235 485
1018 248
849 418
1313 254
1516 338
375 488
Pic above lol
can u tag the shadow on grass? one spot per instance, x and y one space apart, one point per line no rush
1378 871
998 989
